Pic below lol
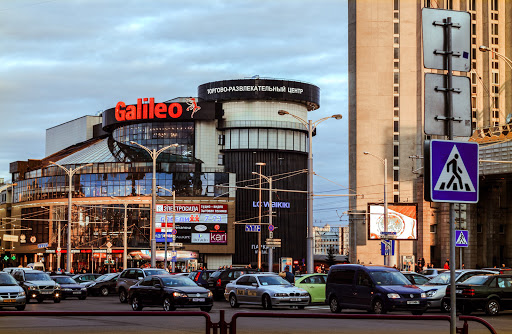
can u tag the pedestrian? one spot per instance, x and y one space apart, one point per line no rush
447 264
287 275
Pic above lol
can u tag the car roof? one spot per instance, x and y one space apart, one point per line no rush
371 267
30 270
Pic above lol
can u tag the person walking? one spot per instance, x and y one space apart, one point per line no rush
287 275
447 264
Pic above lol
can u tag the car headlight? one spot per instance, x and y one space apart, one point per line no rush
180 294
31 287
280 295
393 295
210 294
22 293
57 286
423 295
431 293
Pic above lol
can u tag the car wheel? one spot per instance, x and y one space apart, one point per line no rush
492 307
104 291
168 306
82 297
136 305
266 302
56 300
206 308
20 308
232 301
334 305
122 296
445 306
378 307
418 312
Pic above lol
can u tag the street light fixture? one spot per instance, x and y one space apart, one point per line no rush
385 163
310 126
173 192
507 60
271 233
154 155
70 173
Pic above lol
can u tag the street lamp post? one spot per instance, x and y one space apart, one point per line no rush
260 164
385 163
310 126
507 60
154 155
271 233
173 192
70 173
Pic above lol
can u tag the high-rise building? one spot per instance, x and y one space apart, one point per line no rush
386 116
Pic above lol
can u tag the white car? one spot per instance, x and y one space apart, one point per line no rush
266 289
436 287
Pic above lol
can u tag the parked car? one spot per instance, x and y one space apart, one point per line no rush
103 285
84 278
436 287
37 285
10 270
130 276
265 289
69 287
432 272
218 279
201 276
491 293
170 292
11 294
314 284
500 270
378 289
415 278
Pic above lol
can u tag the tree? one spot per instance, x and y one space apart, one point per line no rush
330 256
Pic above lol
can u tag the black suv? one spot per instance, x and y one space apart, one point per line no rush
218 280
130 276
37 284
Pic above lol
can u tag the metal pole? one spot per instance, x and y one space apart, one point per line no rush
68 257
309 240
125 237
173 263
388 256
153 212
259 224
58 243
165 247
271 234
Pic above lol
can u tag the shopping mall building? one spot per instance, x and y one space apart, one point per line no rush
217 140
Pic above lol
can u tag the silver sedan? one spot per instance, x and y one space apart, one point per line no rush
267 290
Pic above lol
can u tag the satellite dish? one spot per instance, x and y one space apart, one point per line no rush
509 119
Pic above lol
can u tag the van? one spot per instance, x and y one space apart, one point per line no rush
36 266
378 289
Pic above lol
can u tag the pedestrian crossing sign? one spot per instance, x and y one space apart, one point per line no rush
461 237
451 171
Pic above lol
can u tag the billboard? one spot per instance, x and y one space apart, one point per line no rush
401 219
194 223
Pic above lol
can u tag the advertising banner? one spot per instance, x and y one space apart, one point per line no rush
401 220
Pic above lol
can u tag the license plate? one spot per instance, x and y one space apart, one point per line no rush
76 292
458 291
198 299
413 302
9 300
295 299
46 292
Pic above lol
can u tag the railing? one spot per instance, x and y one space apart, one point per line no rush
223 327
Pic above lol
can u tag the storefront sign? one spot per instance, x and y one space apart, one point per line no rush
10 237
200 238
282 205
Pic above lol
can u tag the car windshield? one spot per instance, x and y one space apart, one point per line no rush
443 278
476 280
152 272
174 281
37 277
389 278
7 280
64 280
273 280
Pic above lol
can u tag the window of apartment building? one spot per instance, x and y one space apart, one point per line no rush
396 65
473 102
395 175
474 114
396 53
220 160
396 162
395 137
222 140
396 28
496 113
395 151
426 3
395 101
496 123
396 198
395 187
495 78
449 4
396 4
395 126
494 4
494 28
396 113
472 4
495 102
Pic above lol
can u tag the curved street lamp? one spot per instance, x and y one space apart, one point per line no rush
507 60
154 155
310 126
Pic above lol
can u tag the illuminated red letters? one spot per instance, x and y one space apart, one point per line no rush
147 110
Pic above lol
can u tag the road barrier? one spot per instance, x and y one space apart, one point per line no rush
223 327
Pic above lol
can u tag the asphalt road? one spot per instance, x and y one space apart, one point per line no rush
132 323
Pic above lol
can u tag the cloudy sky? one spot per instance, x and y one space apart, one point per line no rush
63 59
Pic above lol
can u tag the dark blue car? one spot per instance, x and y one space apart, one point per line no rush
201 276
378 289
